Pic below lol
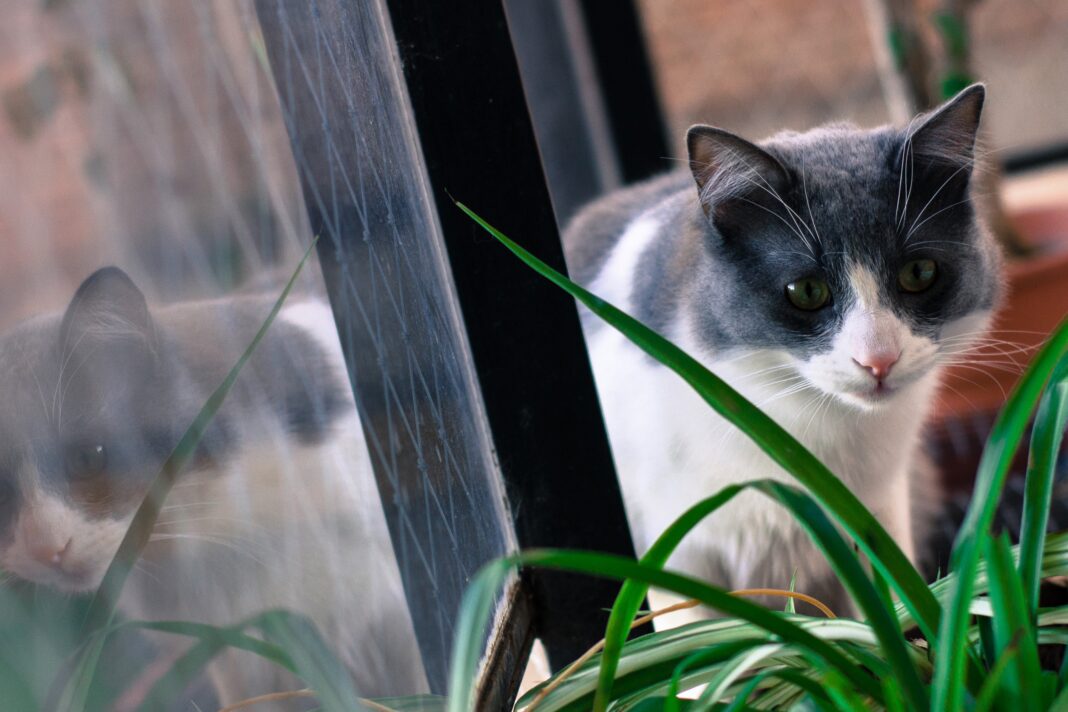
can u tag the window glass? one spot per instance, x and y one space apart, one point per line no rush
152 137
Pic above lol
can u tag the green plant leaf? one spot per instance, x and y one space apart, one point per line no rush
16 691
1046 436
211 640
413 703
786 675
315 663
988 693
952 653
631 594
892 695
1012 626
841 557
737 656
476 606
478 602
849 571
292 643
844 698
718 687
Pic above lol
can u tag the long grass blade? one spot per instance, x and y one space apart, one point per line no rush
989 692
315 663
1046 436
952 653
843 697
849 571
16 691
792 677
476 607
1012 627
631 594
736 656
717 687
211 640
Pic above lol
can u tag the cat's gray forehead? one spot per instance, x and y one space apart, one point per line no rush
836 152
28 367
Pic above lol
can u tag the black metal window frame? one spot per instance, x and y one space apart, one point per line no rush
477 144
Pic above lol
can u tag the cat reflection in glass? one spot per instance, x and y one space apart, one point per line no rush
829 276
277 510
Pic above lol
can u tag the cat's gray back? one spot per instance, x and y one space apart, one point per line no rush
589 238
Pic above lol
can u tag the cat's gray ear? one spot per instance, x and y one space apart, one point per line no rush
727 166
107 326
946 136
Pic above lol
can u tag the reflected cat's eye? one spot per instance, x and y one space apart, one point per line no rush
917 275
808 294
86 461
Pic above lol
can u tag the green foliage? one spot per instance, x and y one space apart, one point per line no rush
980 625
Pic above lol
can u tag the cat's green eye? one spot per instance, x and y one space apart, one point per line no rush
86 461
917 275
808 294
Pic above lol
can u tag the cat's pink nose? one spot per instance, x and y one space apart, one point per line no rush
877 363
49 553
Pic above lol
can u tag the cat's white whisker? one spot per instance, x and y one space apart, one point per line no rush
40 392
209 539
139 566
818 413
989 375
191 505
793 228
949 386
808 204
798 223
805 255
917 223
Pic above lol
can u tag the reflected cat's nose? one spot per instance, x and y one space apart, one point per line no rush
48 552
877 363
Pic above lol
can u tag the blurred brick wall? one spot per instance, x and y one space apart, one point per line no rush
756 66
144 133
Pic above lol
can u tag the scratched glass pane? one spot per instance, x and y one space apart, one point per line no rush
365 188
199 152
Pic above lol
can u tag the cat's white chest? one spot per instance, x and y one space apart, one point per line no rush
672 450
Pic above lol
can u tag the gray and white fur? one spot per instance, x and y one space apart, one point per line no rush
277 510
707 257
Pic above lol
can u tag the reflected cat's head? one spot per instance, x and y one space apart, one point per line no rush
93 400
857 255
77 434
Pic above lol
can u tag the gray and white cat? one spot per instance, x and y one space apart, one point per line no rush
279 508
827 276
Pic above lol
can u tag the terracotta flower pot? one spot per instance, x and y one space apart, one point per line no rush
1036 302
